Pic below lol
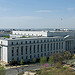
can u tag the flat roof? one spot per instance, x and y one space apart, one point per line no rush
30 38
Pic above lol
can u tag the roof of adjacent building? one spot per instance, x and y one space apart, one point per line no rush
30 38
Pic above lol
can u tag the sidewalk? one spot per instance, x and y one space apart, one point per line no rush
29 65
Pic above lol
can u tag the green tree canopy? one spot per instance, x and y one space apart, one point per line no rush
51 60
43 60
73 56
21 62
34 59
2 70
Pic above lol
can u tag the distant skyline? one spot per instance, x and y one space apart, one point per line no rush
37 14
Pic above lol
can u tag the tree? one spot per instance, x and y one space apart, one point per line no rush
67 55
13 62
21 62
34 59
51 60
57 57
43 60
7 36
73 57
2 70
23 37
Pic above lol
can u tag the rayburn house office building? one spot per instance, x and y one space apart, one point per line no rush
28 48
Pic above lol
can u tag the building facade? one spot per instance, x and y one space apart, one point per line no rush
28 48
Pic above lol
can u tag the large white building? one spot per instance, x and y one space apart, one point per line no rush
42 33
28 33
28 48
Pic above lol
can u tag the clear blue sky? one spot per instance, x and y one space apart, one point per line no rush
37 13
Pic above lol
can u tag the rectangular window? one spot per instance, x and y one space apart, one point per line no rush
59 45
21 50
41 54
26 50
41 47
34 48
54 46
34 55
44 54
47 47
51 46
26 57
12 58
12 43
17 50
21 57
62 45
37 48
17 58
38 55
30 48
12 51
26 42
48 53
30 57
44 47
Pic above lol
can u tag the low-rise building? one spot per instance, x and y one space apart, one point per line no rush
28 48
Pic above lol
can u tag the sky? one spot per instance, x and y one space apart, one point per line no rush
37 14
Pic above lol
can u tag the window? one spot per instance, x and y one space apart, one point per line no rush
34 48
37 41
30 56
30 48
56 40
41 47
62 45
59 45
17 43
17 50
51 46
34 55
41 41
12 51
56 51
54 46
26 42
37 48
12 43
21 50
38 55
41 54
21 42
29 41
33 41
17 58
47 40
44 47
44 40
48 53
12 58
47 47
26 50
21 57
26 57
44 54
